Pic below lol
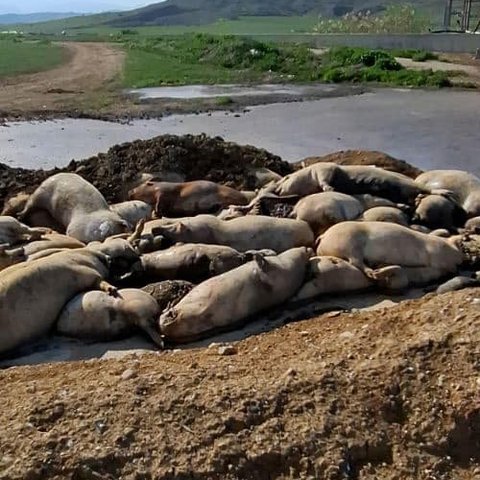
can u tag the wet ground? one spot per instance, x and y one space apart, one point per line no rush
215 91
431 129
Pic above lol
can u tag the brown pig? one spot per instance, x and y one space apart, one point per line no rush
184 199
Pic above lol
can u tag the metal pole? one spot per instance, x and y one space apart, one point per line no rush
468 14
448 14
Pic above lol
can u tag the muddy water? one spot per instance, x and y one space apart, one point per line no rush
213 91
431 129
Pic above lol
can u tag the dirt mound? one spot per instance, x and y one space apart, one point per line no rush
365 157
192 156
388 394
168 293
15 180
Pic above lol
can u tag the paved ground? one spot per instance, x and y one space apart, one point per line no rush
89 67
431 129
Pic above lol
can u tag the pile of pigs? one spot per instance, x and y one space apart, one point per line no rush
183 260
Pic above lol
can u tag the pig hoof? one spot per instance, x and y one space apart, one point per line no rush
369 273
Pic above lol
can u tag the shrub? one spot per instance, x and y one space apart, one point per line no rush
224 101
395 19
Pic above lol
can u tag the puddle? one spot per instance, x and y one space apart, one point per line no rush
430 129
213 91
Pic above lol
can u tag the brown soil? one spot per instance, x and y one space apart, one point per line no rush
390 394
365 157
79 81
194 156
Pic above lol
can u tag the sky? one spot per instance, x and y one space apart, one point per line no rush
80 6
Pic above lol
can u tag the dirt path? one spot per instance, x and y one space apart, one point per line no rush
468 69
83 78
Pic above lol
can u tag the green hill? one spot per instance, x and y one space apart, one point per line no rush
223 16
196 12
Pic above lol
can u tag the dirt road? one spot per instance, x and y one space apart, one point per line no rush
84 78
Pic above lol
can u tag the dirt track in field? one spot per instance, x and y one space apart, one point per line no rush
89 70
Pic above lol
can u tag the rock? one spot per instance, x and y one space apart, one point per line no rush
227 350
128 374
101 426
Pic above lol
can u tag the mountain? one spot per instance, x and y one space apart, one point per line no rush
196 12
13 18
191 12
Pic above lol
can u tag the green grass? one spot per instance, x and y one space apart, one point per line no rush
358 65
415 55
90 27
224 101
207 59
28 57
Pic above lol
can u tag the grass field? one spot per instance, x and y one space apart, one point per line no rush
28 57
79 27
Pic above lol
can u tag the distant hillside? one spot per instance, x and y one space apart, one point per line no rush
12 18
195 12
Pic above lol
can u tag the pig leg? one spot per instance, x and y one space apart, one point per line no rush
393 277
106 287
37 233
360 264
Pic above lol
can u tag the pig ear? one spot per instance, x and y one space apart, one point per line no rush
261 261
182 228
15 252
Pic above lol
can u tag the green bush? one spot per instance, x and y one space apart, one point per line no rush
224 101
416 55
203 58
345 64
402 18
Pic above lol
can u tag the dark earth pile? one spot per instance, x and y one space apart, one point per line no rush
15 180
168 293
366 157
192 156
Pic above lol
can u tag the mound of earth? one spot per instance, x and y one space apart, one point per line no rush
192 156
387 394
365 157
